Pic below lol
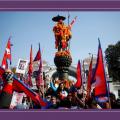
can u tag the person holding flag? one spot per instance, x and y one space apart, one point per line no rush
11 83
7 91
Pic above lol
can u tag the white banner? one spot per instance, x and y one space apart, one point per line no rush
17 99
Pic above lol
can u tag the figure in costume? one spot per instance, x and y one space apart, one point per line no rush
62 33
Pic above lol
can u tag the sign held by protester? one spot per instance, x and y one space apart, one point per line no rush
22 66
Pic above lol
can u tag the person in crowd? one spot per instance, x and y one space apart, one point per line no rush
118 103
113 101
54 103
79 93
48 100
24 105
54 85
50 91
62 91
91 102
7 90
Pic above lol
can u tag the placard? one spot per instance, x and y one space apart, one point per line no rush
22 66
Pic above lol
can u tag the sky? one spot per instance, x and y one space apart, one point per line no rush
28 28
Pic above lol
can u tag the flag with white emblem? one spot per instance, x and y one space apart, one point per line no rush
7 55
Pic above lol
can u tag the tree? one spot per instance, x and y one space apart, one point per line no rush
112 56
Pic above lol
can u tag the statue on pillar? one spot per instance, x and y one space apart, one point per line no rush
62 33
63 58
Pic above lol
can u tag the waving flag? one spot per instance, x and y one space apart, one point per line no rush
7 55
99 75
30 68
18 85
39 78
34 96
78 84
38 55
4 63
89 81
31 62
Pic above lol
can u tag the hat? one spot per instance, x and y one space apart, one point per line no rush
57 18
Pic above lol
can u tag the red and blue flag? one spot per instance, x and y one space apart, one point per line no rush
99 76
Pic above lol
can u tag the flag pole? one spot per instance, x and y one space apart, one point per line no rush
10 51
68 25
82 78
83 67
42 75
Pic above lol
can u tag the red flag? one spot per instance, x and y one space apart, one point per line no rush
78 84
38 55
30 68
34 96
7 55
89 81
39 78
99 75
18 85
31 62
4 63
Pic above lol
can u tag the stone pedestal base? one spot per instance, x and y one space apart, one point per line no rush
63 61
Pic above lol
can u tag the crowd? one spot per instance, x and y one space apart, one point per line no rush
60 95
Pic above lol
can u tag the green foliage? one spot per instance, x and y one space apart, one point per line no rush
112 56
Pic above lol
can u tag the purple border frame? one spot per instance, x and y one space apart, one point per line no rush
59 115
49 5
59 5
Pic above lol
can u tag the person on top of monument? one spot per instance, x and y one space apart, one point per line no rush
62 33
